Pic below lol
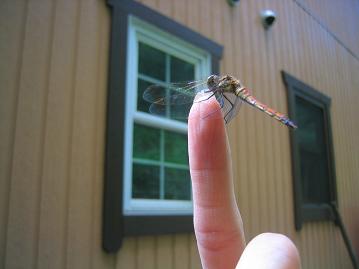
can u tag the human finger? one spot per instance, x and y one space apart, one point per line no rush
217 221
270 251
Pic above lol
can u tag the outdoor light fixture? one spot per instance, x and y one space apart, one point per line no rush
268 18
232 2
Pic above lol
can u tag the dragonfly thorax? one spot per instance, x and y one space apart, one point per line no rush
228 84
224 84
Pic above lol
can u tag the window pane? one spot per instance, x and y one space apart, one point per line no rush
145 182
180 112
142 105
181 70
176 148
151 62
177 184
146 142
313 152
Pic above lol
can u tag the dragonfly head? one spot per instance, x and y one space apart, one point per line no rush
212 81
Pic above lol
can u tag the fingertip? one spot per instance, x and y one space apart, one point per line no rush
206 135
204 109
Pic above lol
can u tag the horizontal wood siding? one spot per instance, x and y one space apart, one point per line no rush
53 86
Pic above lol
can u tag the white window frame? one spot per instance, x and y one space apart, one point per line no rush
139 30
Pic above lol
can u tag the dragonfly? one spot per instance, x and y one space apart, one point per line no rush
228 90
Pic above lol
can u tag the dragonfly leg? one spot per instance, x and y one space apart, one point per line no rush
220 101
201 100
230 110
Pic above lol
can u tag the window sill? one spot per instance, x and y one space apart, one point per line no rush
157 225
317 212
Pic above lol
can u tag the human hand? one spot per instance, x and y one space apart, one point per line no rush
217 220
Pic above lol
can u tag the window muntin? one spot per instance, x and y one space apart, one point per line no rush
157 179
159 158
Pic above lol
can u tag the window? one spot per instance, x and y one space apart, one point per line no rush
312 153
147 184
157 179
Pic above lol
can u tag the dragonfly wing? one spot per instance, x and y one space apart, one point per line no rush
182 98
179 112
172 100
220 99
158 109
172 94
231 106
154 94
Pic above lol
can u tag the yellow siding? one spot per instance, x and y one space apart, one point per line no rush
53 85
341 17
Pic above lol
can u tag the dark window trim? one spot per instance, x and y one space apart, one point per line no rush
310 212
115 225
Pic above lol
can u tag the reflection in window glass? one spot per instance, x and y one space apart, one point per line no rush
178 184
181 70
142 105
313 152
156 65
146 142
160 158
176 148
312 155
145 181
160 164
151 62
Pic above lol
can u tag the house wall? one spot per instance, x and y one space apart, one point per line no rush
340 17
53 83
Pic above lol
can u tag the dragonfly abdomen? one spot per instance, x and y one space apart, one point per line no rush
244 94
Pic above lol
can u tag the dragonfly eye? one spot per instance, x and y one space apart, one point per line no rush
212 81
